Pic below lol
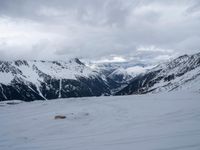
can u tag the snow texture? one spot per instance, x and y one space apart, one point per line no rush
167 121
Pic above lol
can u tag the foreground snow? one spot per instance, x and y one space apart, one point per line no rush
155 122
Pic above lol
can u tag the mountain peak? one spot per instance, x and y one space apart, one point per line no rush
77 61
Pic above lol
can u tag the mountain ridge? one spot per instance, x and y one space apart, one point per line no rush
167 76
41 80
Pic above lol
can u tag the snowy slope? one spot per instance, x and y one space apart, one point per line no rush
146 122
180 73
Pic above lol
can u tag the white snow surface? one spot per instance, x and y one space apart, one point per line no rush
167 121
6 78
68 69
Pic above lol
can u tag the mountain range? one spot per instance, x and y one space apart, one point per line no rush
30 80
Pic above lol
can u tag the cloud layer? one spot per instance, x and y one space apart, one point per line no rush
94 29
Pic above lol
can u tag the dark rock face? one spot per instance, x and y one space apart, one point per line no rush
51 89
19 91
167 76
83 87
97 86
120 78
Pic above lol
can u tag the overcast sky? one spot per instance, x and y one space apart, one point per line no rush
99 29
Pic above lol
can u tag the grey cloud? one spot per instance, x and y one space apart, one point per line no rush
99 28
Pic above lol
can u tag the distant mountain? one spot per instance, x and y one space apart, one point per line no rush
118 74
180 73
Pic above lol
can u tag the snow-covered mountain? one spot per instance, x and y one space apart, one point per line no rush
180 73
129 68
31 80
39 80
119 74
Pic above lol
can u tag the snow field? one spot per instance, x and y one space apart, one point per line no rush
168 121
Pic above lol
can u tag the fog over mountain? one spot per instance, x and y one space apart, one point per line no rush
99 30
